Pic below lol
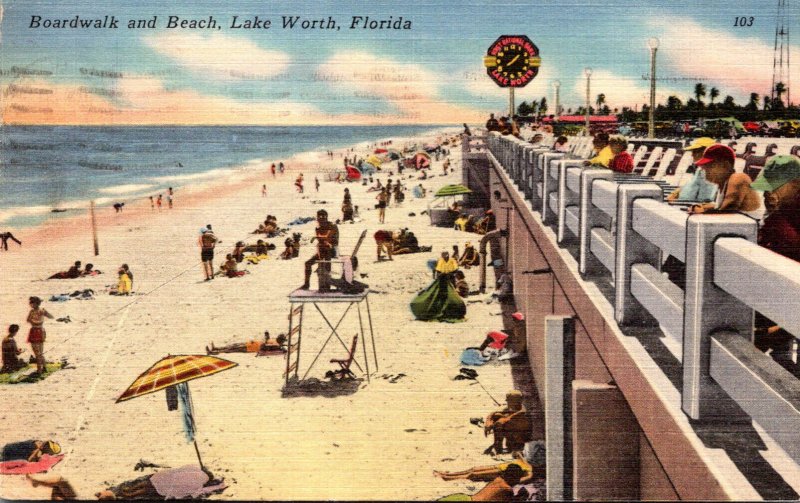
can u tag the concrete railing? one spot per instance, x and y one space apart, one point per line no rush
623 226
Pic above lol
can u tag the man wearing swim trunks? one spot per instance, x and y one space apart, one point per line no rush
207 243
327 236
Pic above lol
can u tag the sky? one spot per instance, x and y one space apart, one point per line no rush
430 74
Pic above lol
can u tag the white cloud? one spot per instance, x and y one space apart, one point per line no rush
736 65
410 88
378 76
220 56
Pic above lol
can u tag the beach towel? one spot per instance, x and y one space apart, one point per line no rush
300 221
22 467
439 302
184 482
473 357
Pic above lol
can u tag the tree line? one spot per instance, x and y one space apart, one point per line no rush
757 108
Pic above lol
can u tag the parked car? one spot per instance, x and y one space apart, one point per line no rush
753 128
790 128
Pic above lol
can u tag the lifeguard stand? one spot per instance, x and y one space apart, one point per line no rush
347 292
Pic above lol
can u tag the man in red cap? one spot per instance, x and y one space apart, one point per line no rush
734 192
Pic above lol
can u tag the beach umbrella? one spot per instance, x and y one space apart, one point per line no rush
394 154
429 147
422 160
177 371
374 161
380 151
353 174
452 190
366 168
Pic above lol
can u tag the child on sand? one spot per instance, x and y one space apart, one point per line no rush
37 335
159 202
11 360
264 190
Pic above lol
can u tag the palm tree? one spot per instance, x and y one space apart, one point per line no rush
543 106
753 103
780 88
601 99
767 103
674 103
699 92
713 94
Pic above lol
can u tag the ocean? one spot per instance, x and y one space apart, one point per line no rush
64 167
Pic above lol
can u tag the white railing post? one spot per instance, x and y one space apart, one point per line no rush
708 308
590 217
632 248
559 348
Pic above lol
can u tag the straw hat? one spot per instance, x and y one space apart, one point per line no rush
54 447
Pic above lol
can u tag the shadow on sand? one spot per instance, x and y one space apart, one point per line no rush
313 387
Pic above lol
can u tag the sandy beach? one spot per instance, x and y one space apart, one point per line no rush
380 442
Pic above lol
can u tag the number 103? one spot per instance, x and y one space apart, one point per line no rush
743 21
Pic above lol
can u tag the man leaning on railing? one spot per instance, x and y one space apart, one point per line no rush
780 182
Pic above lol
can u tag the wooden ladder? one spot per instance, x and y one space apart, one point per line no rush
292 343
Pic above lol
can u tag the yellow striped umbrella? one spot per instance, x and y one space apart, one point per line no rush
172 370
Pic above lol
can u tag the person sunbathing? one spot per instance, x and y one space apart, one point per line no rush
177 483
499 489
124 284
238 251
376 188
510 426
259 252
89 270
72 272
462 287
290 251
229 268
470 257
405 242
11 360
460 223
488 473
29 450
268 346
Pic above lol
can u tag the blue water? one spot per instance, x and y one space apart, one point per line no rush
46 167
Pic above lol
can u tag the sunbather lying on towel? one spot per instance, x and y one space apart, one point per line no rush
29 450
499 489
489 472
178 483
266 347
72 272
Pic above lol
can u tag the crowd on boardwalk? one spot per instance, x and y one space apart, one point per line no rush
715 186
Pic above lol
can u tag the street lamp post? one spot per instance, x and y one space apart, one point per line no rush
556 87
652 43
588 73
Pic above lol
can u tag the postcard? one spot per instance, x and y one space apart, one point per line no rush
338 250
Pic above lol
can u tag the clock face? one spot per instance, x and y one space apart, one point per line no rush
512 61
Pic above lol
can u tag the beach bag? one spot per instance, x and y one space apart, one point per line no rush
439 302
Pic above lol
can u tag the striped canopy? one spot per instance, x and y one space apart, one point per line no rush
452 190
173 370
